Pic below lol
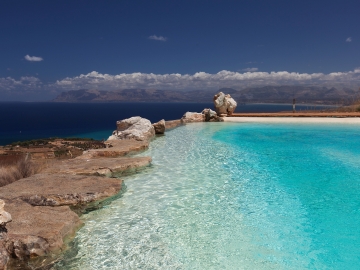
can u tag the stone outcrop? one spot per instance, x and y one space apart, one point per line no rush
38 231
211 116
109 167
224 104
159 127
116 148
60 189
5 218
191 117
136 127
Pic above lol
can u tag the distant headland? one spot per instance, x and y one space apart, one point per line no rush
266 94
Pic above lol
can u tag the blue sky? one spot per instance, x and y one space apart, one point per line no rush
51 46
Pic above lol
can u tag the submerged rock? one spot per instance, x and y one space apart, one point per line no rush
224 104
136 127
159 127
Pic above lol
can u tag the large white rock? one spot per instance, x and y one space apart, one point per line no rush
136 127
224 104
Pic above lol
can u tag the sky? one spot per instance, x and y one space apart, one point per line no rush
47 47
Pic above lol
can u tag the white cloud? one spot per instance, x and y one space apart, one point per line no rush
33 58
159 38
349 39
250 69
23 84
203 80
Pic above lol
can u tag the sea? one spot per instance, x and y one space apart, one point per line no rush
21 121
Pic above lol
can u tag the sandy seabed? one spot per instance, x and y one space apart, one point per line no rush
349 120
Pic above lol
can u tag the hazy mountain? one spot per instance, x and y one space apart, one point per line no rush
266 94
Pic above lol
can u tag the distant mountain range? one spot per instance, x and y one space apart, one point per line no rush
266 94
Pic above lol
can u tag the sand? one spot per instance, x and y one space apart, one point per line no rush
350 120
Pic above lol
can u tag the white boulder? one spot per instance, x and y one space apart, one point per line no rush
5 217
224 104
190 117
136 127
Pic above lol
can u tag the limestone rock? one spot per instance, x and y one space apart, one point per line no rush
60 189
136 127
116 148
190 117
210 115
159 127
109 167
5 217
224 104
36 231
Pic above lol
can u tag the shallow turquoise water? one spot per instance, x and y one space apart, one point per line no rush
234 196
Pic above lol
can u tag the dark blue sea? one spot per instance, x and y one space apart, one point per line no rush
23 120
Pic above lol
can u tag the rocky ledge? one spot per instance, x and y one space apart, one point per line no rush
42 206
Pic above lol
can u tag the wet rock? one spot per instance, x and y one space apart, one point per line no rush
136 128
173 124
116 148
224 104
159 127
109 167
60 189
190 117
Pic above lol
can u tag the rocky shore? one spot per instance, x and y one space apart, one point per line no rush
40 214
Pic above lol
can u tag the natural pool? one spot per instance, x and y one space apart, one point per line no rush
234 196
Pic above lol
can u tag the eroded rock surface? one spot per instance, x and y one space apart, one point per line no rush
136 128
60 189
116 148
211 116
224 104
159 127
110 167
36 231
190 117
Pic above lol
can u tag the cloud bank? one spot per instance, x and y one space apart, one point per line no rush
33 58
200 80
159 38
203 80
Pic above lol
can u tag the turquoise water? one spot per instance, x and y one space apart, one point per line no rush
233 196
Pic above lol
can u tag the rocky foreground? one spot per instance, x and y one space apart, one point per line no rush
40 214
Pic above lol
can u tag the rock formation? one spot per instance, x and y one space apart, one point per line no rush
109 167
224 104
5 218
159 127
211 116
136 127
190 117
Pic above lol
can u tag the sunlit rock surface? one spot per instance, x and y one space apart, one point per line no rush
136 127
224 104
